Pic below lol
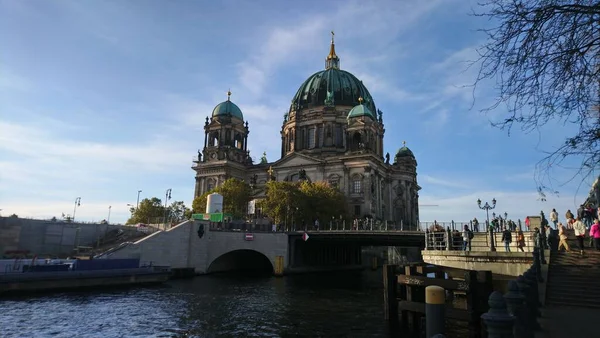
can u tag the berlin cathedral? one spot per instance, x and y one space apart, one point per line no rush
332 132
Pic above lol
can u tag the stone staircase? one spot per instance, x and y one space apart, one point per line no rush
574 280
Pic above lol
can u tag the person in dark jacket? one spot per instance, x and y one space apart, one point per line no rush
507 239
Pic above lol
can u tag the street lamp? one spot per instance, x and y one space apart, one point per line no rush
77 203
167 198
487 207
137 204
108 219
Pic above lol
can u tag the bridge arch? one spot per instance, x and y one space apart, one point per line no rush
242 260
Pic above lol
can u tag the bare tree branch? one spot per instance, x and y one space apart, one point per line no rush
544 56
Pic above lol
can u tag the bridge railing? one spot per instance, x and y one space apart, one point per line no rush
443 240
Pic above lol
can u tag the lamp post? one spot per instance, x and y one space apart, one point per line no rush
77 203
167 198
487 207
137 204
108 219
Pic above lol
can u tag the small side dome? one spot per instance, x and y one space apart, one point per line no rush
360 110
403 152
228 108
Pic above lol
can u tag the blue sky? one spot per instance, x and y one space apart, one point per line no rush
101 98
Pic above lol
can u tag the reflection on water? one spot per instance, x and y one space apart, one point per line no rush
340 304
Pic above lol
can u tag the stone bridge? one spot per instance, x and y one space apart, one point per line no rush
280 252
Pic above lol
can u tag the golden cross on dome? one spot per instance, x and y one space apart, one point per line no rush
404 143
360 99
228 94
332 35
270 171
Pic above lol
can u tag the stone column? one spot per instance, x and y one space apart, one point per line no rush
390 209
198 188
347 181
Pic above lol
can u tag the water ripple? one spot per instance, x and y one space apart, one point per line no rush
314 306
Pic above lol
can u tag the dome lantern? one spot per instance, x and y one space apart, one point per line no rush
332 61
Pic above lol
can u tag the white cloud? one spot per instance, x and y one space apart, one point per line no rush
56 147
448 183
361 27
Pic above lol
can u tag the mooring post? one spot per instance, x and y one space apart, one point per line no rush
530 279
515 303
524 290
435 310
390 297
499 323
530 303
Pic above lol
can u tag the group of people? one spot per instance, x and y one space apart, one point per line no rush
507 238
585 223
580 229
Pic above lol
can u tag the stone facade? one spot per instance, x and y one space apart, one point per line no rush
332 132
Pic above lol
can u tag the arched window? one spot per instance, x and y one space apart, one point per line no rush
357 142
356 184
214 139
238 141
210 184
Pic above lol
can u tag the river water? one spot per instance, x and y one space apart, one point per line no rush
319 305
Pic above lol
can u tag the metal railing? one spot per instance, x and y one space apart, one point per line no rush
443 240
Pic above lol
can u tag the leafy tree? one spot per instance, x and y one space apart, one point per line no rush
283 200
236 195
544 56
150 210
177 212
199 203
303 203
322 202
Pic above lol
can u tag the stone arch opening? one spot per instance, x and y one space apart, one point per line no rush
244 260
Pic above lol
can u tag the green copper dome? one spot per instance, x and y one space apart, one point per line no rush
333 87
228 108
360 110
403 152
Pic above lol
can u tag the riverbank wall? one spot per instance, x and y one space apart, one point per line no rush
46 237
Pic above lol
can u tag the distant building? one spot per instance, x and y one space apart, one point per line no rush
332 132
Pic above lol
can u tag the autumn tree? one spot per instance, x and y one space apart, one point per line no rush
544 57
236 195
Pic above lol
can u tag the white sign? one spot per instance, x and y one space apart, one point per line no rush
252 207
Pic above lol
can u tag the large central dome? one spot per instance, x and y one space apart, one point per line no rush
332 86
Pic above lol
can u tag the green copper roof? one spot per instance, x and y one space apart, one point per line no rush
228 108
361 110
337 87
403 152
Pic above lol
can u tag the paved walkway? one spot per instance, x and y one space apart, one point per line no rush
569 322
